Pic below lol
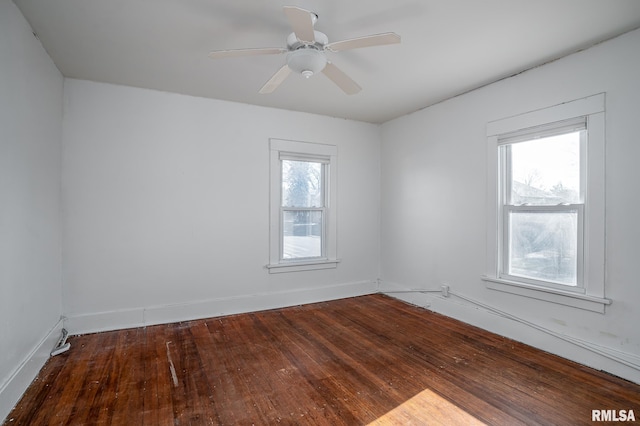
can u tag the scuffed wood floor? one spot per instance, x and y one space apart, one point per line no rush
364 360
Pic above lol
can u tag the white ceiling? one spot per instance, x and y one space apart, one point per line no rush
448 46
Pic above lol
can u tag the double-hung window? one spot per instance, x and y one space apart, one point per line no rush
542 204
546 210
302 206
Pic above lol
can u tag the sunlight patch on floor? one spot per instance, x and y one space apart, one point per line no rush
427 407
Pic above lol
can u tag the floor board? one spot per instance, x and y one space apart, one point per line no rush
365 360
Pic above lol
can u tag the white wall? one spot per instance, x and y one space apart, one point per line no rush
166 207
30 138
434 204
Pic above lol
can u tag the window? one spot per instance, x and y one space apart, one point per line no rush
303 229
302 208
546 210
542 205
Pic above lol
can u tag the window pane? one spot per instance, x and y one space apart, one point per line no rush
302 234
546 171
302 184
543 246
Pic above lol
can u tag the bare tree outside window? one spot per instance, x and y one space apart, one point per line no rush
303 208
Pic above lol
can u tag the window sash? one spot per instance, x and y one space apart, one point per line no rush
323 180
505 172
323 229
505 238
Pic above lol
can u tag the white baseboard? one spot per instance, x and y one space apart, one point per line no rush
622 364
115 320
12 390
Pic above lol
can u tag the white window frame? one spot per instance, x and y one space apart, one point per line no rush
302 151
590 293
506 207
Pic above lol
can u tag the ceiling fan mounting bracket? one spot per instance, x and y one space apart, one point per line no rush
321 40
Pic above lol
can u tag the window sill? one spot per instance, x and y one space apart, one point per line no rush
567 298
296 266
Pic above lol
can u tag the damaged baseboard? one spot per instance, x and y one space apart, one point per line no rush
62 345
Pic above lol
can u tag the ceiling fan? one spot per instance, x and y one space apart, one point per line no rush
306 49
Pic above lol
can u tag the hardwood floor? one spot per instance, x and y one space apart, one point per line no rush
365 360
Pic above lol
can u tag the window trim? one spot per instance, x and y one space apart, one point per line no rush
592 295
302 151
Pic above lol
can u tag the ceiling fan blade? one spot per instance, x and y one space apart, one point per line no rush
302 23
366 41
246 52
342 80
276 80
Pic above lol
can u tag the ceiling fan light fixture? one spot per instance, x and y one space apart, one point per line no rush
306 61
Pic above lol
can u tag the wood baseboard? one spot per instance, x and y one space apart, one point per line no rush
152 315
11 391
